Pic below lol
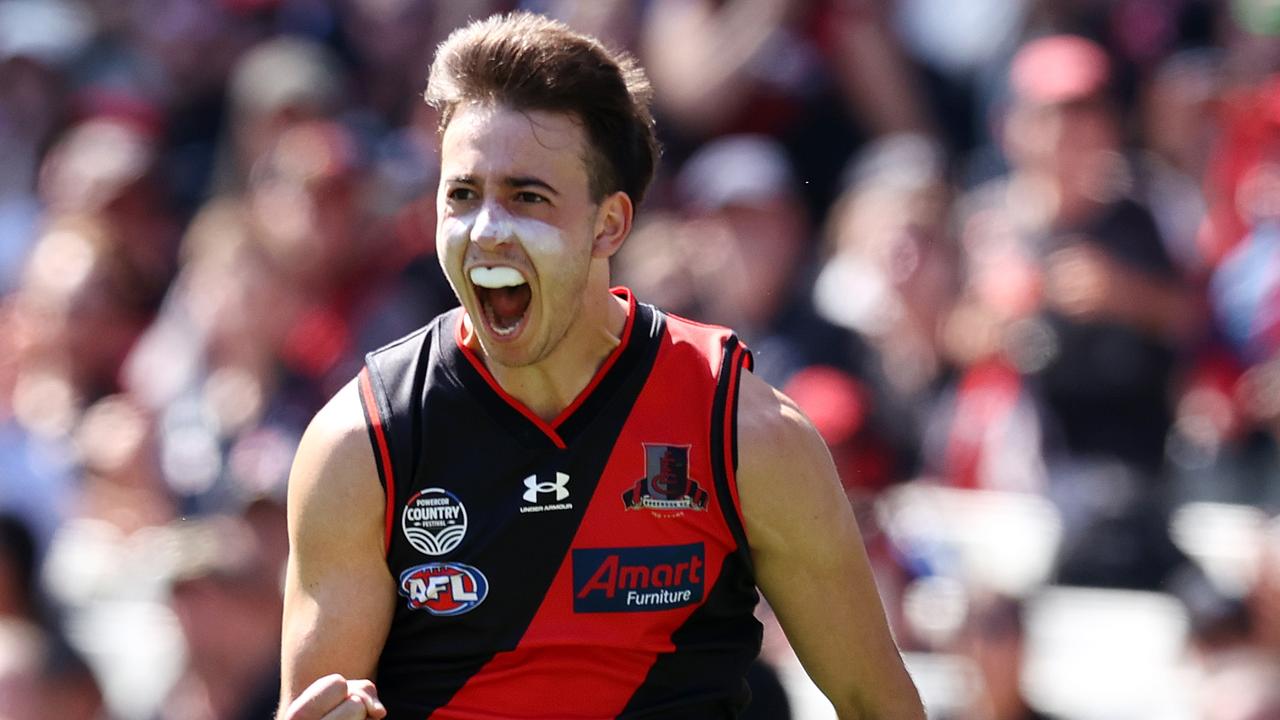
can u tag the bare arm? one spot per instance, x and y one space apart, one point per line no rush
810 563
1083 281
872 73
698 55
339 595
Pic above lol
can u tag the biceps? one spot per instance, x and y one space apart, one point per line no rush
819 576
335 620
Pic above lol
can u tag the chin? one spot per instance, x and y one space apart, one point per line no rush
512 355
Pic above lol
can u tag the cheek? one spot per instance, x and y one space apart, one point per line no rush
556 258
540 239
451 238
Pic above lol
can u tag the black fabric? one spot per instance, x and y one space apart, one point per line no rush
724 619
648 323
397 372
1106 388
769 700
730 377
433 388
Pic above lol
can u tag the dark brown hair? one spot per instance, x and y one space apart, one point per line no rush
529 62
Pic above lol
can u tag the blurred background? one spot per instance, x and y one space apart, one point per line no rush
1019 260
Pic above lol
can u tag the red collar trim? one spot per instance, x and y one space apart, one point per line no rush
464 332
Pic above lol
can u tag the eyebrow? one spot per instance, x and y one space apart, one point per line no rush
519 181
523 182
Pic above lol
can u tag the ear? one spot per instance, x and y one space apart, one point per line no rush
613 224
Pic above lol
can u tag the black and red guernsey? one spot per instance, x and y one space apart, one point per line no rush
593 566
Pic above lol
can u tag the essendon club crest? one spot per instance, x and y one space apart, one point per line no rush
666 484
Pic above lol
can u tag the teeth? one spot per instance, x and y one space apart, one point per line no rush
497 277
503 332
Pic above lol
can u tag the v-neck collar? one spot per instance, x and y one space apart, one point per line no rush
559 429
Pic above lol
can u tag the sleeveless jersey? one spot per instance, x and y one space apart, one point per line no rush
594 566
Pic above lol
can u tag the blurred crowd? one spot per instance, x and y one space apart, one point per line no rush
1020 249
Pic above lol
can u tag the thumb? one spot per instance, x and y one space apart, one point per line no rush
367 693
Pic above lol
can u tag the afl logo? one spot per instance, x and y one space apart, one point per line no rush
444 588
434 521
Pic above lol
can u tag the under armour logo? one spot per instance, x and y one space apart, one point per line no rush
557 487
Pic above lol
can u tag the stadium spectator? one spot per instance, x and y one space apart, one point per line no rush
1087 307
277 83
752 252
226 596
993 638
125 126
19 563
818 76
41 676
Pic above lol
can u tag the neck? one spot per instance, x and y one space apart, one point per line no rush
550 385
1067 199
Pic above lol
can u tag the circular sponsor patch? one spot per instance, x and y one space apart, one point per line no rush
434 521
444 588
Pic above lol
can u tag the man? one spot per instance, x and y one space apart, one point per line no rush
530 508
42 675
225 597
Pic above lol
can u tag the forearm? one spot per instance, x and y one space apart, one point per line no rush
871 683
834 620
1160 309
873 78
698 56
900 702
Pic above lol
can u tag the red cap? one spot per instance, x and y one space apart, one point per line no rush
1059 69
834 400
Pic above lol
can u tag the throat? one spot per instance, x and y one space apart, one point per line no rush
505 307
564 378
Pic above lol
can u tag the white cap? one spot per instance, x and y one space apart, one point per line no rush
735 170
49 31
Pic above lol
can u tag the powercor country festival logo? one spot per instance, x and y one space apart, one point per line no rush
434 521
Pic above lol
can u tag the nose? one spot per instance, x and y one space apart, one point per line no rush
492 229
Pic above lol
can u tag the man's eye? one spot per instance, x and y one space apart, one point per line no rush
525 196
461 193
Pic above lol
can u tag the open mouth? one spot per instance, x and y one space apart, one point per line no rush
504 296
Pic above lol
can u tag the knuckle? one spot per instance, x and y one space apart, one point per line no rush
352 708
361 686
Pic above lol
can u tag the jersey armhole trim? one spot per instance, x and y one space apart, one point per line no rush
724 439
373 416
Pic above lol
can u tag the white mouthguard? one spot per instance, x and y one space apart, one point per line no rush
496 277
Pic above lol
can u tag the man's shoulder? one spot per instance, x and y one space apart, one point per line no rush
340 421
680 321
398 366
336 441
770 422
707 336
784 467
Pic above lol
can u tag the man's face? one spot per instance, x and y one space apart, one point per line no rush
516 224
1065 141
